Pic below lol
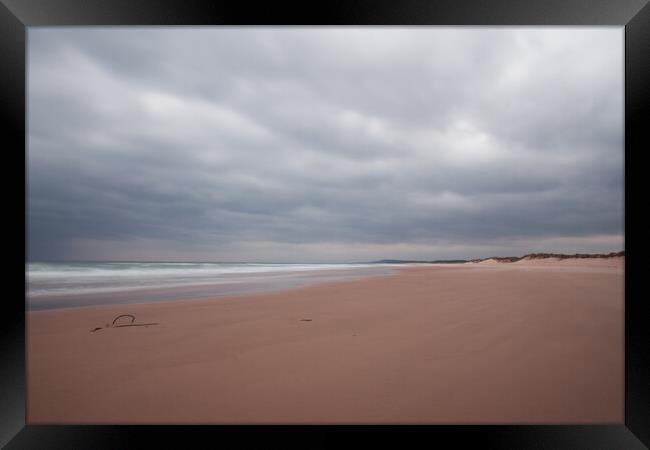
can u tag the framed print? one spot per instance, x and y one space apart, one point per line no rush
356 221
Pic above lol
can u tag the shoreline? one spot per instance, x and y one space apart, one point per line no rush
248 285
204 292
428 344
240 296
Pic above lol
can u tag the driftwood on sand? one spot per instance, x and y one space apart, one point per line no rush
130 324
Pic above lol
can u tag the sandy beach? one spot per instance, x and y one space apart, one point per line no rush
526 342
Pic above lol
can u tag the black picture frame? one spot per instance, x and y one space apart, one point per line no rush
17 15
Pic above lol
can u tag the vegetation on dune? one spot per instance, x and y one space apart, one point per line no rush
551 255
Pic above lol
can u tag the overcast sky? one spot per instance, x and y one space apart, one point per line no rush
323 144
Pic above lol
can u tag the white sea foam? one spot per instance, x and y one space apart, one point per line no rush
48 279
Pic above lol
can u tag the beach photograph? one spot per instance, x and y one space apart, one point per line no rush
325 225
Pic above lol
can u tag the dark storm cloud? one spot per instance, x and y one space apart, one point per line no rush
323 143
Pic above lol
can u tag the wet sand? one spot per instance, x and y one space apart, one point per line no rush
473 343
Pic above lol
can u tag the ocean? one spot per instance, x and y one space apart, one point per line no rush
77 284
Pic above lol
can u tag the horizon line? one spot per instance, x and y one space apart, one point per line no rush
321 262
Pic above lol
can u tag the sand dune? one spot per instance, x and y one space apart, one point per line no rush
613 262
448 344
617 261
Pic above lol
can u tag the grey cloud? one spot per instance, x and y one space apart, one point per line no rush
211 141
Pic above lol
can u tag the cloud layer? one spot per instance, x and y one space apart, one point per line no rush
323 144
